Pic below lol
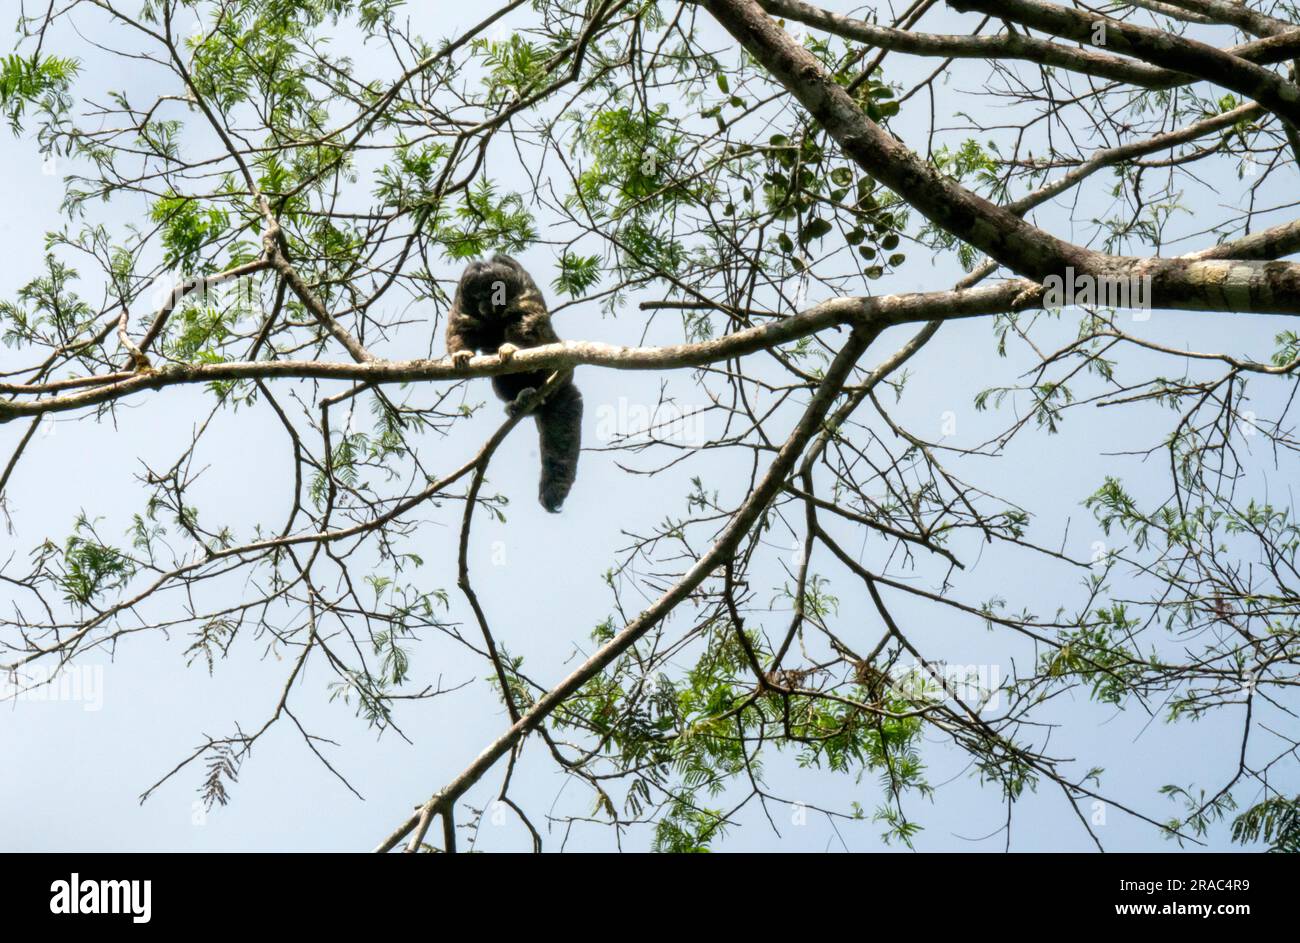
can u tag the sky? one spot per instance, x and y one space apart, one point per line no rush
74 769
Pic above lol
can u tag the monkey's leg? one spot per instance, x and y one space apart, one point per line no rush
508 386
523 398
559 426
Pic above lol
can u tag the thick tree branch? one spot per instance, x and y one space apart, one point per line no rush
995 230
1152 45
1019 46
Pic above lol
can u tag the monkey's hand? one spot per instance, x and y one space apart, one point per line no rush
461 358
523 402
506 351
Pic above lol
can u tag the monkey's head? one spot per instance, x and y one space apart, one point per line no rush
488 287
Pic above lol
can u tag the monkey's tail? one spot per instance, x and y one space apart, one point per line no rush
559 426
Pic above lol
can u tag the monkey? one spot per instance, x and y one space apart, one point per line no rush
498 308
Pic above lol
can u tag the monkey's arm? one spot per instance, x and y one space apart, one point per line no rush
461 334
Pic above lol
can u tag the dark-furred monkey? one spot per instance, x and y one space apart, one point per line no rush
498 309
